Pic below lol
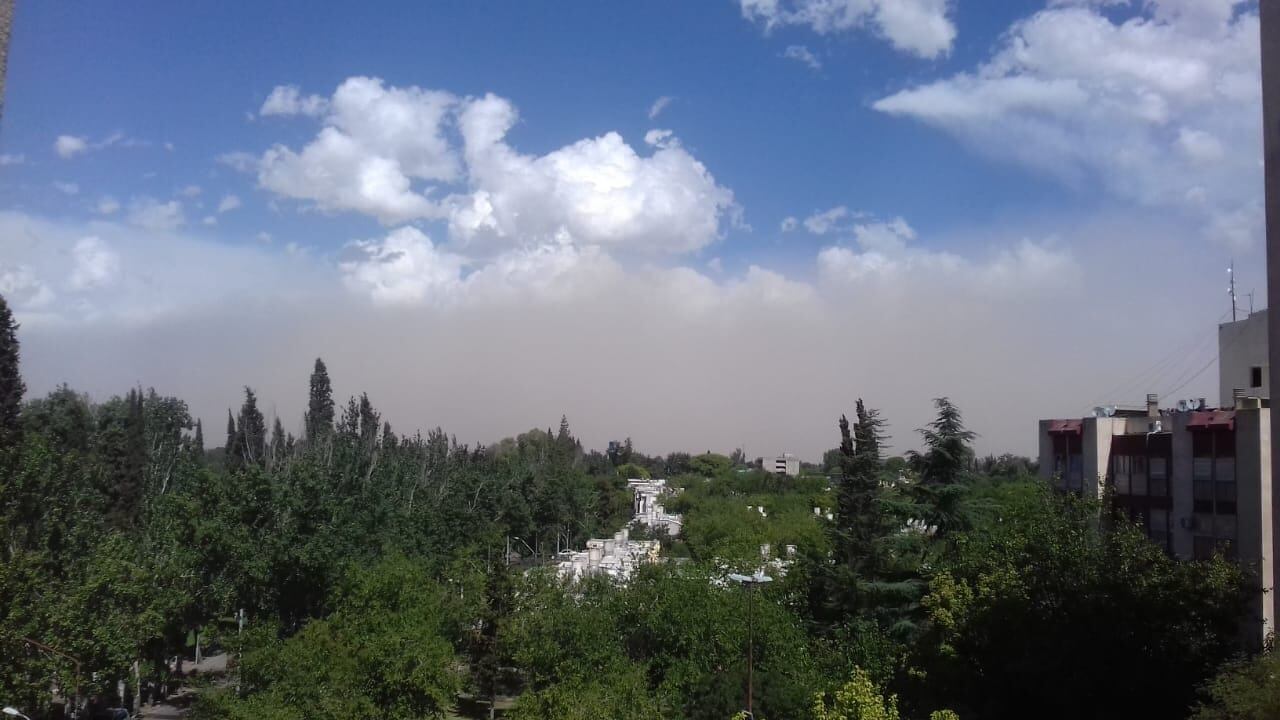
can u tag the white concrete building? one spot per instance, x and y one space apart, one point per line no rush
616 557
784 464
648 508
1242 359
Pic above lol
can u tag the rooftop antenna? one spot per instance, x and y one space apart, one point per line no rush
1231 273
1250 302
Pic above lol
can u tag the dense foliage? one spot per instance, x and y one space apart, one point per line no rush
389 575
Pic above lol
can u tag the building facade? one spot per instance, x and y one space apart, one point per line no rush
784 464
1242 359
1197 479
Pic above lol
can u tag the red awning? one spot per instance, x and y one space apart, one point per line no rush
1066 426
1213 419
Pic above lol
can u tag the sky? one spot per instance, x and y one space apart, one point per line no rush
700 225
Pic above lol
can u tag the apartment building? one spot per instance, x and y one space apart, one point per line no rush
1195 476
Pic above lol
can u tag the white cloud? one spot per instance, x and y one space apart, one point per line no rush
403 268
824 222
1160 107
190 191
659 105
108 205
96 265
376 142
918 27
289 100
595 191
10 159
802 54
209 220
66 188
68 146
885 257
228 203
239 161
23 290
385 152
789 224
264 237
151 214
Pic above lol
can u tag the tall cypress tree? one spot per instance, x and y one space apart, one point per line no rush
11 387
859 520
197 443
319 416
277 439
252 429
232 456
122 449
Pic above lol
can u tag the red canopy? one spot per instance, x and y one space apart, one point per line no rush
1213 419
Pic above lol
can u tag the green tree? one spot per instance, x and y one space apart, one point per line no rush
319 415
858 699
11 387
1243 690
1018 612
251 430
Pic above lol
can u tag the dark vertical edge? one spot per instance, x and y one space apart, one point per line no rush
1269 11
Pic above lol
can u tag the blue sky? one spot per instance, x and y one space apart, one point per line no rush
1017 163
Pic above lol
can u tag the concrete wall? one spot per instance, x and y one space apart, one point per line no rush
1241 347
1255 529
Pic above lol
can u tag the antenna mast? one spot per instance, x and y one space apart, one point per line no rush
1231 273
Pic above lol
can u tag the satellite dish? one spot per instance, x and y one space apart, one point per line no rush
1110 410
1183 406
1099 411
1195 403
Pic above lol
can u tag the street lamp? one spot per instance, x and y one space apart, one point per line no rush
14 712
750 582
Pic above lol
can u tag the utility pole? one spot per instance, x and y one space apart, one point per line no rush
1269 24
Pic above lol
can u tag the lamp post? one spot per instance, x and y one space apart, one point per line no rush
750 582
14 712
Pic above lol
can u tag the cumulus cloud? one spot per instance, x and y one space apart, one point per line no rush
789 224
190 191
68 146
918 27
659 105
95 265
802 54
375 143
151 214
209 220
385 151
11 159
1161 107
66 188
402 268
228 203
108 205
595 191
289 100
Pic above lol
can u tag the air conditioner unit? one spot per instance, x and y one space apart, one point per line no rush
1155 427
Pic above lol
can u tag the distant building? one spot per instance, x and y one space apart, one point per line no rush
1197 479
784 464
647 506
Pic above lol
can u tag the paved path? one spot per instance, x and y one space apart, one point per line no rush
176 706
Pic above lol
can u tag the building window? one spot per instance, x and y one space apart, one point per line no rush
1255 376
1068 461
